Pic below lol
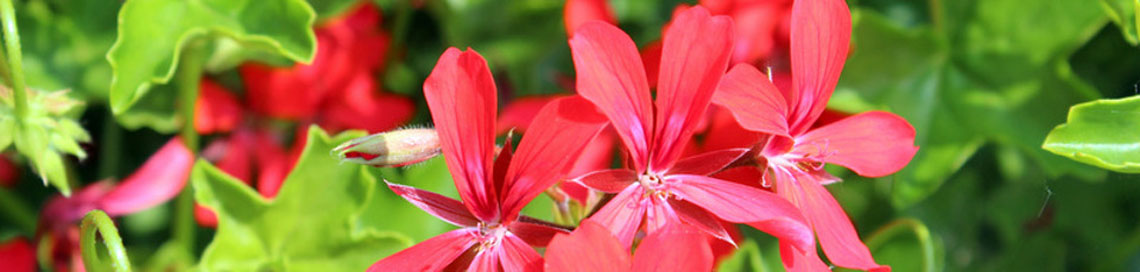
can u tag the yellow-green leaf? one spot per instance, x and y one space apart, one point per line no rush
1103 133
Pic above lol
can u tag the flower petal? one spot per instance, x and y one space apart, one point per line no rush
873 144
360 106
517 255
440 206
701 220
694 56
821 35
217 110
707 163
430 255
485 261
753 100
610 75
591 247
836 234
742 204
609 180
578 12
800 261
547 151
156 181
534 232
623 214
660 251
520 112
19 255
461 95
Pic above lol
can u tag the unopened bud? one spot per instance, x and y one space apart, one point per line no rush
391 149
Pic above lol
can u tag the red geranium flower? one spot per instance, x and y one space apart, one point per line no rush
661 189
872 144
493 236
592 248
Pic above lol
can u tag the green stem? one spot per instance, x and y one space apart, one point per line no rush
109 147
12 44
899 226
18 211
187 80
98 220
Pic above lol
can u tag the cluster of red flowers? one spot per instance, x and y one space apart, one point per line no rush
675 199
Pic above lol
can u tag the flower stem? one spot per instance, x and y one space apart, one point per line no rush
12 44
187 81
18 211
899 226
98 220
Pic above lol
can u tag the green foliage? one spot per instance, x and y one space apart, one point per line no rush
1123 13
153 34
46 134
994 73
1101 133
65 45
309 226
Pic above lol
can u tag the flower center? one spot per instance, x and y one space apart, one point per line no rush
491 235
654 185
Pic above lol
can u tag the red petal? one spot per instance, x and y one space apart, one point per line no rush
430 255
597 155
19 255
742 204
517 255
578 12
440 206
873 144
801 261
9 172
360 106
610 75
156 181
753 100
205 217
701 220
651 56
485 261
707 163
557 136
724 132
281 92
216 110
623 214
520 112
836 234
461 95
694 57
589 248
821 35
673 249
609 180
535 234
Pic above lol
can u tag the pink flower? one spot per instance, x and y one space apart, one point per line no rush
462 97
661 189
592 248
158 180
872 144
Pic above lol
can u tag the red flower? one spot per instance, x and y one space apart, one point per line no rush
872 144
9 172
18 255
158 180
661 189
592 248
761 27
461 95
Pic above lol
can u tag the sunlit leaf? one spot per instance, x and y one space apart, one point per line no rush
309 226
1123 13
152 34
1101 133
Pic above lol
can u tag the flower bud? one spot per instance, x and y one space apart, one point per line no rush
391 149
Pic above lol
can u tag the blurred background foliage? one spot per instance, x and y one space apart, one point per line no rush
982 81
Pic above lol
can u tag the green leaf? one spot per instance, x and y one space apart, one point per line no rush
1123 13
152 34
330 8
745 258
65 45
309 226
390 212
1102 133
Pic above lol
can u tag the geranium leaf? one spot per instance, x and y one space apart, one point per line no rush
1101 133
309 226
1123 13
152 34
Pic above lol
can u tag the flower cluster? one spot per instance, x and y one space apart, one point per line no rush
674 202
